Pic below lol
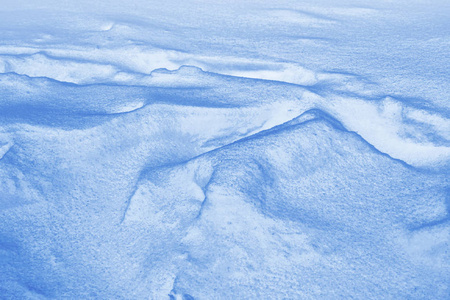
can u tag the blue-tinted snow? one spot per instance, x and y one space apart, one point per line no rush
224 150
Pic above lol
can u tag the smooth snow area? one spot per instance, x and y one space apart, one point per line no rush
224 149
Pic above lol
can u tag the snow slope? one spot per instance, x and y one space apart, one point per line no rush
224 150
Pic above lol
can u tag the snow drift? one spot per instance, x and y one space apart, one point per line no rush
224 150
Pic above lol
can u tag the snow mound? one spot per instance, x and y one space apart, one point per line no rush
270 213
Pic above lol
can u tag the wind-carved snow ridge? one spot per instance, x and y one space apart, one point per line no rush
416 135
383 124
224 150
122 65
132 65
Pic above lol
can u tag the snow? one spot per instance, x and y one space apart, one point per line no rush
224 149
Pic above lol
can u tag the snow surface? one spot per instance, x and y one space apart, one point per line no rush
224 149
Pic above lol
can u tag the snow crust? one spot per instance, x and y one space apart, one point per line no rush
224 150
